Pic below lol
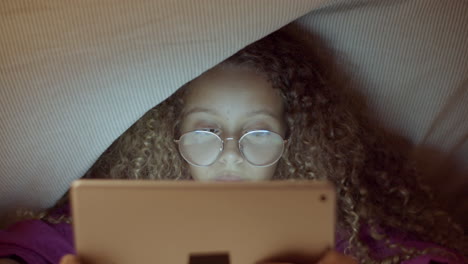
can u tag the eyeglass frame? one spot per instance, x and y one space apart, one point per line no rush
238 146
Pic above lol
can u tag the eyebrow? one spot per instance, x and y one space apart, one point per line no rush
212 112
198 110
264 112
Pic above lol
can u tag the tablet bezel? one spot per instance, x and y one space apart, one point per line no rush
113 224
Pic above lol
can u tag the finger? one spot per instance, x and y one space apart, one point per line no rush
333 257
277 263
69 259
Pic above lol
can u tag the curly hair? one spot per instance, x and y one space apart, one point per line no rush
329 138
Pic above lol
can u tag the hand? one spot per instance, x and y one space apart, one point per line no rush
331 257
69 259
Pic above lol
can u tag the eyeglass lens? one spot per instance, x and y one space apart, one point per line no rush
260 148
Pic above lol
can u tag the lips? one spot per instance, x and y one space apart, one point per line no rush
228 176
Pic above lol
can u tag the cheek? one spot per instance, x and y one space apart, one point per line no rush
198 173
263 173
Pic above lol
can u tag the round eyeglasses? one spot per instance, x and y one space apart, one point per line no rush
202 148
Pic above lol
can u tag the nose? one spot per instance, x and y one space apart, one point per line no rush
231 153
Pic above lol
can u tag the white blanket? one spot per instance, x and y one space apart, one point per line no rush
74 75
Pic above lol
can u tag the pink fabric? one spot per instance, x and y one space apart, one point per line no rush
37 242
380 250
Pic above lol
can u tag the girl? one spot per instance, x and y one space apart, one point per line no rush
276 113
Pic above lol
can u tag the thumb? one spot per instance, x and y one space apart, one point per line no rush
277 263
69 259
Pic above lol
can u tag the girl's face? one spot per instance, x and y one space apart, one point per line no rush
232 102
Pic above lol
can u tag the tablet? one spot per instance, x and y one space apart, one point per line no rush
188 222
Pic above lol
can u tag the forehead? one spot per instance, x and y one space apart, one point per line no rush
230 90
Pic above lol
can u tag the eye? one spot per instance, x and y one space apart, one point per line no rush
216 131
259 125
259 131
262 133
260 136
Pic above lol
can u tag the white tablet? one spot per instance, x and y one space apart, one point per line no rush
187 222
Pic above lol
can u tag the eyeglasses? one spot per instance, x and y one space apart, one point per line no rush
260 148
